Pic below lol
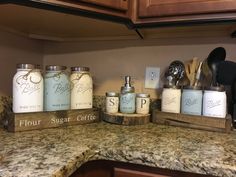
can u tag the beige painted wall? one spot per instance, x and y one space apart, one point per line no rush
110 61
16 49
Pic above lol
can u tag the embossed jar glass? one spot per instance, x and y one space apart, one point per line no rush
191 101
81 88
27 89
214 102
171 97
56 88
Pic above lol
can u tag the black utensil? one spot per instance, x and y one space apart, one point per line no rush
214 58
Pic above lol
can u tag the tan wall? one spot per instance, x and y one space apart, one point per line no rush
110 61
16 49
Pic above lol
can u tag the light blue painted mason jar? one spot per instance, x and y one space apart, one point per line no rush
127 97
191 102
56 88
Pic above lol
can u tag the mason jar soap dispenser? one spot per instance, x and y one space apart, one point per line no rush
127 97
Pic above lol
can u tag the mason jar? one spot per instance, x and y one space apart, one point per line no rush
191 102
214 102
81 88
112 102
171 97
27 89
57 88
142 103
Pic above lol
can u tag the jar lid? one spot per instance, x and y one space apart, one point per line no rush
55 68
79 68
172 86
125 89
219 88
26 66
143 95
113 94
193 87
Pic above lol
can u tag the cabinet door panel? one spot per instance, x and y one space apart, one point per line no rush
165 8
118 172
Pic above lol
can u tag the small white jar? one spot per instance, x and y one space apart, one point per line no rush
27 89
214 102
171 98
112 102
142 103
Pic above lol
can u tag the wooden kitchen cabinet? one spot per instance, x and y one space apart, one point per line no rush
106 168
158 11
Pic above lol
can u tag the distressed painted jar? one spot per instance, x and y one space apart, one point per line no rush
81 88
142 103
56 88
214 102
27 89
127 97
191 101
171 98
112 102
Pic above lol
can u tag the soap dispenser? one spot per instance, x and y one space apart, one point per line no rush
127 97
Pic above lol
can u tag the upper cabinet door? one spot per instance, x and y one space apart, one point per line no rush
169 8
114 4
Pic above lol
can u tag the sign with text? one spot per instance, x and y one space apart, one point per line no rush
41 120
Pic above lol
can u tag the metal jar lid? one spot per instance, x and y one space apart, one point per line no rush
112 94
192 87
172 86
219 89
55 68
26 66
80 68
125 89
142 95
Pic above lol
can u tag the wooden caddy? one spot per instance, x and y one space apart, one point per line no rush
126 119
192 121
42 120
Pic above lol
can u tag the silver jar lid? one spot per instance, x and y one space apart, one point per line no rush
112 94
26 66
192 87
219 89
172 86
80 68
55 68
142 95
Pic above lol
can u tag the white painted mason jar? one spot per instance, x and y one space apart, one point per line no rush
214 102
142 103
27 89
171 98
112 102
82 88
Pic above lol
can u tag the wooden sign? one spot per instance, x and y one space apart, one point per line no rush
192 121
41 120
126 119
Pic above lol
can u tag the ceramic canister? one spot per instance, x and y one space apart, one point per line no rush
142 103
214 102
27 89
82 88
112 102
171 97
56 88
191 101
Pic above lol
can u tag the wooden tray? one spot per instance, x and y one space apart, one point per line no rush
126 119
192 121
42 120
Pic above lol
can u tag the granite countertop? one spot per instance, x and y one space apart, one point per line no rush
60 151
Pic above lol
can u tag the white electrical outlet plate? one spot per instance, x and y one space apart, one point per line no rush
152 77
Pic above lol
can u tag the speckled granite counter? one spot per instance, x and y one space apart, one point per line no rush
60 151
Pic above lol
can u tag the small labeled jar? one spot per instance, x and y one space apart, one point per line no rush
27 89
171 97
112 102
214 102
191 102
56 88
142 103
82 88
127 97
